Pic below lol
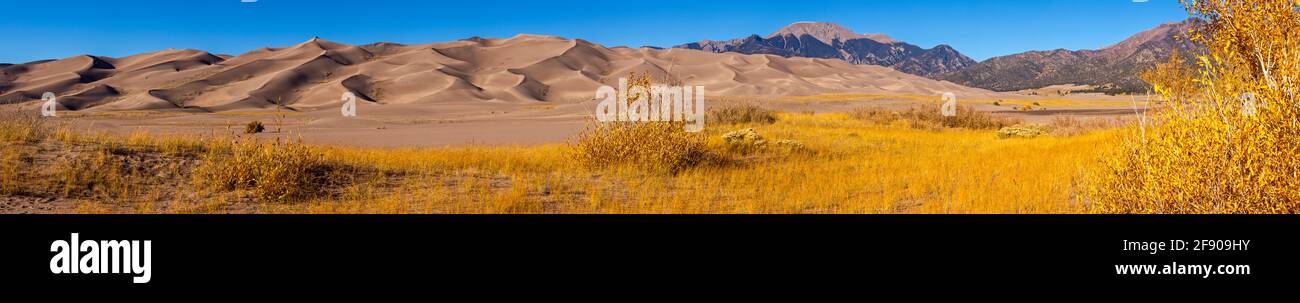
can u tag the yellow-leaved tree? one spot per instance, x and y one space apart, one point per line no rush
1224 136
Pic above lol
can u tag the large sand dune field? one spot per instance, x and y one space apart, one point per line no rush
522 90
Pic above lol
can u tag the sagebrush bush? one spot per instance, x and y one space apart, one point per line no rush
744 141
932 117
747 142
792 146
1226 137
254 127
1022 131
659 147
272 171
740 114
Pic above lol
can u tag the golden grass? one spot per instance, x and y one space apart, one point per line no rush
858 167
1023 131
277 172
880 170
17 131
21 128
1070 125
929 117
97 175
13 161
846 98
810 163
1035 102
739 114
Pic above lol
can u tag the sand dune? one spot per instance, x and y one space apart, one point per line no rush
521 69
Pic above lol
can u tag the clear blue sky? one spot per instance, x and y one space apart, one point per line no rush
51 29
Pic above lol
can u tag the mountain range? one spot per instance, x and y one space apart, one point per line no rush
1112 69
832 41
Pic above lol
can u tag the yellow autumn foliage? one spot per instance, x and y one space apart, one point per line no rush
1226 134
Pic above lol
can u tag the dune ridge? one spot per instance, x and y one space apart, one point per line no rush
520 69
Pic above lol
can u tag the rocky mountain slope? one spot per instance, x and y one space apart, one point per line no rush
1113 69
832 41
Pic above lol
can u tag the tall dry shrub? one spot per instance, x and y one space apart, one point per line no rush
98 175
657 147
277 172
1226 138
21 128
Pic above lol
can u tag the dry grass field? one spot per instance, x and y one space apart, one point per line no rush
749 160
